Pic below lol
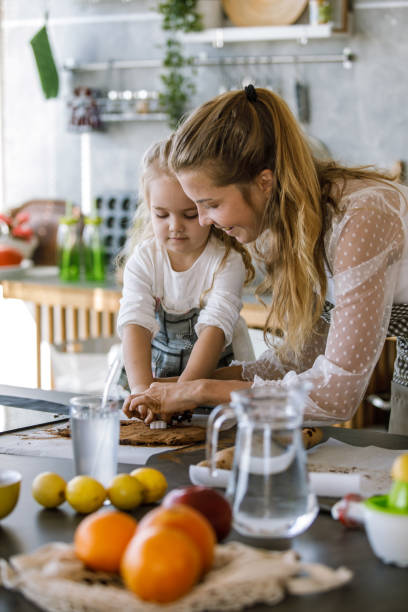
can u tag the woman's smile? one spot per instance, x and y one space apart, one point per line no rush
219 206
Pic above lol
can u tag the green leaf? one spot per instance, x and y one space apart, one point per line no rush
178 15
46 67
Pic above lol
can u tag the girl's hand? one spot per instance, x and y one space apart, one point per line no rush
139 412
160 400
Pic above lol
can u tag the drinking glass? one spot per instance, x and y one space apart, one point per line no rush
95 436
268 487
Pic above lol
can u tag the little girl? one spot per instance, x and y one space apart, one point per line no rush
182 287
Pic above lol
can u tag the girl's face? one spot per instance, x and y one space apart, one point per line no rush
175 221
226 207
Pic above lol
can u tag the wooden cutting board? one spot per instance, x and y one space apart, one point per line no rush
263 12
136 433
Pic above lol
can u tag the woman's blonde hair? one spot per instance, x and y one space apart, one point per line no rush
233 139
155 164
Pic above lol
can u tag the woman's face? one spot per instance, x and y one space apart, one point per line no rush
226 207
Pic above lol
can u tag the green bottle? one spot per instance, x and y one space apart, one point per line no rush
68 247
94 255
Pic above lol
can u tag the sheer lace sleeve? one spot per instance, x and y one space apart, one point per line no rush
364 250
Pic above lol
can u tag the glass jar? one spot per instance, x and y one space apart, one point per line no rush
68 249
93 251
146 101
319 12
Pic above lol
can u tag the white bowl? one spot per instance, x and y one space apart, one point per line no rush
387 531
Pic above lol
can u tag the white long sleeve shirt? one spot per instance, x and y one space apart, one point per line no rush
148 276
367 249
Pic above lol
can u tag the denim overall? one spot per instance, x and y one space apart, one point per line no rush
172 345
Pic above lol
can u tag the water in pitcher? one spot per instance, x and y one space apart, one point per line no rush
272 497
268 489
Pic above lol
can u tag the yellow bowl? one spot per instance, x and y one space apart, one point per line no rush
9 491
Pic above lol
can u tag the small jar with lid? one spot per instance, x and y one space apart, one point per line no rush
68 249
93 251
146 101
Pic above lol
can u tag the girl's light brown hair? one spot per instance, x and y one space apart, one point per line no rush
155 164
233 139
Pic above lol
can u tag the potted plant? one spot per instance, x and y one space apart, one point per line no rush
178 16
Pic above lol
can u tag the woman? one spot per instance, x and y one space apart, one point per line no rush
333 244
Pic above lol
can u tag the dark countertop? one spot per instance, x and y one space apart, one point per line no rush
376 586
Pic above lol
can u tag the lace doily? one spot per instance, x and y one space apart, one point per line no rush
54 579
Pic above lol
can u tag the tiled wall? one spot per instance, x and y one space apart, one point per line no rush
360 114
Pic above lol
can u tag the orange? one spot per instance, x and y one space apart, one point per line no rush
161 564
101 538
192 522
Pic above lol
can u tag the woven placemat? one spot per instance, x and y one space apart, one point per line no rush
54 579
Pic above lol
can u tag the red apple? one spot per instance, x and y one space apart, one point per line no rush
212 504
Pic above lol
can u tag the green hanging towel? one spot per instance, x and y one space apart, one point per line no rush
45 63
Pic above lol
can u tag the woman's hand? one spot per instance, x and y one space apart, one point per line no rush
161 400
135 390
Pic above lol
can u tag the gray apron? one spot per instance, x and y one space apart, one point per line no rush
173 343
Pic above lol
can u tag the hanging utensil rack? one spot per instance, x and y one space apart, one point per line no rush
346 57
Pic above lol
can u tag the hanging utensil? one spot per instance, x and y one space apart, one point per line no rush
302 101
319 149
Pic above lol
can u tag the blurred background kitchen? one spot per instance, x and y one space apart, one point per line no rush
76 131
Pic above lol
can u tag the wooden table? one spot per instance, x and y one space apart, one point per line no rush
375 587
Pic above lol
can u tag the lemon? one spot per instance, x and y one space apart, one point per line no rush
125 492
154 483
399 469
48 489
85 494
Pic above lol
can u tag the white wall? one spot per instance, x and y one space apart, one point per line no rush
348 114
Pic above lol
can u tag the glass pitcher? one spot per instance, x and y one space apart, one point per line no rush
268 487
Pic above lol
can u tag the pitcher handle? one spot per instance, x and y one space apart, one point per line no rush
217 417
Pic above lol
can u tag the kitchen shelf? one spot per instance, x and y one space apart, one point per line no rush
219 36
